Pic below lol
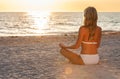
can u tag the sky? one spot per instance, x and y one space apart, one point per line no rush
58 5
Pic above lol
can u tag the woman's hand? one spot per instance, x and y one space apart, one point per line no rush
62 45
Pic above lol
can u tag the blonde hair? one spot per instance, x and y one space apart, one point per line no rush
90 20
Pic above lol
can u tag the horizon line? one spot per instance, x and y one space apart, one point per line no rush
56 11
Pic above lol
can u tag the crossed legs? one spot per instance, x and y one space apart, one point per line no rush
74 58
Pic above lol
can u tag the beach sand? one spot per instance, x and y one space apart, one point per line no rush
38 57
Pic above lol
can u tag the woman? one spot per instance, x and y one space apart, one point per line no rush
89 39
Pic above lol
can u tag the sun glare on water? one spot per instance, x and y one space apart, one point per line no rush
40 20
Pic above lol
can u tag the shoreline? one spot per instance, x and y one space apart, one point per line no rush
13 40
107 32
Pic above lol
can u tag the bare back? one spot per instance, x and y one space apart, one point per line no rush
90 46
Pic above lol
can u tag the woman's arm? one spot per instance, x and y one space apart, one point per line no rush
78 42
99 37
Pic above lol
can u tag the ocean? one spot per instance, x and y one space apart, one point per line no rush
50 23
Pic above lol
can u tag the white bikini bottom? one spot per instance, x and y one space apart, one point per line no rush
90 59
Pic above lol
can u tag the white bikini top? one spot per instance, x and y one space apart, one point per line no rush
89 42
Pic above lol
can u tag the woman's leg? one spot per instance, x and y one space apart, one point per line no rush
74 58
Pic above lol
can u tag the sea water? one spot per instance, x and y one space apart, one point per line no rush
47 23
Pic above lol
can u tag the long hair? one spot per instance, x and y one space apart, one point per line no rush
90 21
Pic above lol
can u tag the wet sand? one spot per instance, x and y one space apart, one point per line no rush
38 57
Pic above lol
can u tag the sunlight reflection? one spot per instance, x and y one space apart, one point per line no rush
40 20
68 70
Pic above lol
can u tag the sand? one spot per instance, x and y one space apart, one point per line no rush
38 57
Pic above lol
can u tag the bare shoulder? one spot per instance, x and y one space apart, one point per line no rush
82 28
